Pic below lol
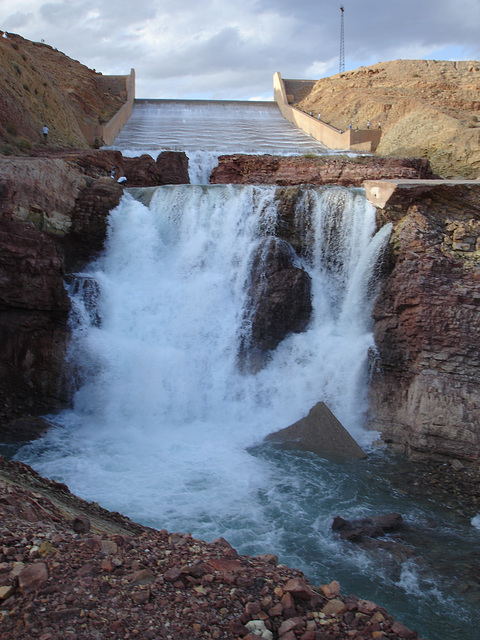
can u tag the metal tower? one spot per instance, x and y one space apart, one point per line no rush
342 42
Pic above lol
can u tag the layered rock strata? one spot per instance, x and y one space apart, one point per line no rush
425 387
319 170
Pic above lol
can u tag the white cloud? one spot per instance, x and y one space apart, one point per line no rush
219 49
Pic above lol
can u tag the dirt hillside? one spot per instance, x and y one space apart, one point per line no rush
40 85
426 108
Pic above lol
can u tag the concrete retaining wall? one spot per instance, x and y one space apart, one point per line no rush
355 139
106 133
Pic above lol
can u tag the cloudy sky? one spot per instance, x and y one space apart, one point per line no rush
230 49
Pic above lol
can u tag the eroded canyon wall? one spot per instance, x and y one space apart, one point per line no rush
425 387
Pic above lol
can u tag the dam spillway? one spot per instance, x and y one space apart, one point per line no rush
214 126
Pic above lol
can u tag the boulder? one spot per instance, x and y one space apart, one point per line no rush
321 433
171 167
280 300
33 576
374 527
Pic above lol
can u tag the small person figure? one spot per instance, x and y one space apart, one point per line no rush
319 116
112 172
379 125
45 133
368 124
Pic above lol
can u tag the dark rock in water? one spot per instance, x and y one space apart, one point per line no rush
280 295
388 521
321 433
171 167
374 527
23 429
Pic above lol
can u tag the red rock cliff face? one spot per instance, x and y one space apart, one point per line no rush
339 170
425 390
33 315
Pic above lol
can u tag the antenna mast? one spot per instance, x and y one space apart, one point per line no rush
342 42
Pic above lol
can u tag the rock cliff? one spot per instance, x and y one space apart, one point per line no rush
426 108
425 388
294 170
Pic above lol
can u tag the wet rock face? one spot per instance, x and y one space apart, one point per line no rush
89 220
171 167
284 171
34 309
280 298
425 391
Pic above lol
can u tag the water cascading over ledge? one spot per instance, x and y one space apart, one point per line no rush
158 354
165 427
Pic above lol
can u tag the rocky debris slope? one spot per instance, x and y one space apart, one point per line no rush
53 220
338 170
72 570
40 85
426 108
425 391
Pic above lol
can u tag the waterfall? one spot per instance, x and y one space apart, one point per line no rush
162 418
166 429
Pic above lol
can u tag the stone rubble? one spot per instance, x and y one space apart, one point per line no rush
71 570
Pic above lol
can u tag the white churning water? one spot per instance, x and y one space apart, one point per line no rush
163 418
